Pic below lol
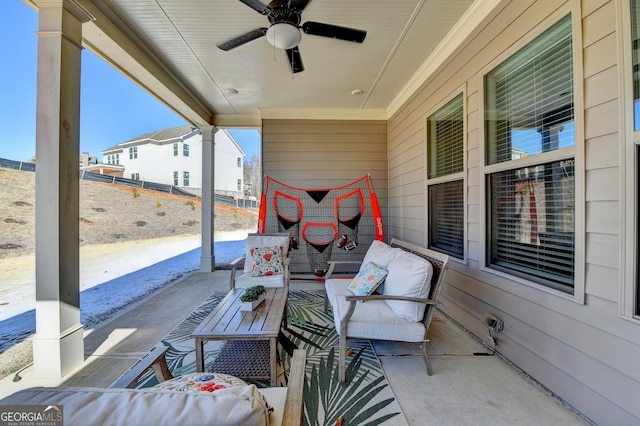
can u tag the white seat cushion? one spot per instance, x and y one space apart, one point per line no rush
246 280
372 319
410 276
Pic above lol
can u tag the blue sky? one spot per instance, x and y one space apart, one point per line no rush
113 108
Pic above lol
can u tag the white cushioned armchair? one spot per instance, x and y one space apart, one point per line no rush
403 309
252 269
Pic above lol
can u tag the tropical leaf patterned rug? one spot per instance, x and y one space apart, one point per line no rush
364 399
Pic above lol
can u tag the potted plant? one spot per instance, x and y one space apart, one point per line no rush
252 297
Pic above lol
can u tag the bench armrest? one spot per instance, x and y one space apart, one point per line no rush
294 402
153 359
234 266
389 297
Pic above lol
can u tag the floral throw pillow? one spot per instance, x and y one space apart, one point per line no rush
201 382
266 261
367 280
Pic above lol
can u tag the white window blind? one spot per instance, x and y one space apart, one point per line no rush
530 107
532 222
445 139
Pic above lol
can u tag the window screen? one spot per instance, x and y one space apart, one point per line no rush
446 217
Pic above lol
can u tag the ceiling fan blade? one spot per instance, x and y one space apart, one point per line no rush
242 39
298 5
257 6
295 59
334 31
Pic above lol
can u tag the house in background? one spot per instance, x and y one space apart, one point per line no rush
91 164
174 157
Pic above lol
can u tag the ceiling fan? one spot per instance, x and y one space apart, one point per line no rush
284 31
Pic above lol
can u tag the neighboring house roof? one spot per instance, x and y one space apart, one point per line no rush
158 136
166 136
244 154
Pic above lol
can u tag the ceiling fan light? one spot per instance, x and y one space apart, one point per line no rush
283 35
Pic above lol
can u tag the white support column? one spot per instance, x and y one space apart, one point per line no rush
208 259
58 346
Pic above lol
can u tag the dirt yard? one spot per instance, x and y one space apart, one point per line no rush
109 214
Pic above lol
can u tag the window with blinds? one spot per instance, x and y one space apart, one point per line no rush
635 57
531 207
445 168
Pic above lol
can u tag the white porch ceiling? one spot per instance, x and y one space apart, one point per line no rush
179 39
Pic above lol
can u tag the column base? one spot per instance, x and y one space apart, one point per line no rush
53 358
207 263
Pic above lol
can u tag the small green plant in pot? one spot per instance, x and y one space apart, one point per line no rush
252 297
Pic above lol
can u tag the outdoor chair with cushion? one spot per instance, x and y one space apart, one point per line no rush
266 262
408 280
193 399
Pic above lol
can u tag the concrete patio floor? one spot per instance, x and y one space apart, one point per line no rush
465 389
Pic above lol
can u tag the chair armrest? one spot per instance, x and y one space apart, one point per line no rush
294 402
155 359
234 265
389 297
333 263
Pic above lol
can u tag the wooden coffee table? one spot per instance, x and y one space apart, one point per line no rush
228 322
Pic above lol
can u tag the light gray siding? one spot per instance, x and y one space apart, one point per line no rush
584 352
326 153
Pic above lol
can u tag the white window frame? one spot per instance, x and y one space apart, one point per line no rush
186 178
629 284
448 178
526 288
175 149
239 161
176 178
185 149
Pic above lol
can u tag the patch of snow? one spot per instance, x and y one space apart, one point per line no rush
127 283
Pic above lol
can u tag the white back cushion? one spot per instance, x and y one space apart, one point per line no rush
254 241
380 254
409 275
